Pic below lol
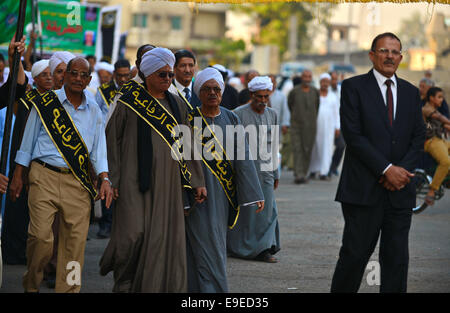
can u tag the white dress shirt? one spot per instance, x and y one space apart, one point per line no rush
383 87
180 87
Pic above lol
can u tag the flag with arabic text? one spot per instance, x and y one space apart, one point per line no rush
69 26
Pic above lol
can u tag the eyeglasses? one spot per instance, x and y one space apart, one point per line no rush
165 74
83 75
216 90
384 51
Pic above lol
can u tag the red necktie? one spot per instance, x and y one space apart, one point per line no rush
389 100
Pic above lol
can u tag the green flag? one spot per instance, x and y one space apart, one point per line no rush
9 13
69 27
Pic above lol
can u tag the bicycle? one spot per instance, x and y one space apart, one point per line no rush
422 180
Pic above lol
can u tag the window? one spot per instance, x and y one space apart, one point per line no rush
175 22
140 20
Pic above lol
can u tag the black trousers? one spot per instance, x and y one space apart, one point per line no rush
15 229
339 149
363 226
105 221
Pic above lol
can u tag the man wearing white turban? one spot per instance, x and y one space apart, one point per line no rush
206 225
257 236
328 127
207 74
105 72
58 64
147 249
42 76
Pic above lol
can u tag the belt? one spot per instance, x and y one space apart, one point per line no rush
53 168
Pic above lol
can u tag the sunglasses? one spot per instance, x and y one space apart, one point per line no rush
165 74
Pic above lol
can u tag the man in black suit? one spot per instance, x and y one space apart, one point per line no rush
381 121
184 70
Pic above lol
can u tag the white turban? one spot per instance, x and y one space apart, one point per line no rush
220 68
235 81
104 66
260 83
39 67
58 58
155 59
208 74
324 76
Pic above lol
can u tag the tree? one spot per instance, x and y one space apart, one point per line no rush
228 51
412 32
273 19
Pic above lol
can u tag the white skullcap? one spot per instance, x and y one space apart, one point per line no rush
260 83
39 67
220 68
58 58
235 81
324 76
208 74
104 66
155 59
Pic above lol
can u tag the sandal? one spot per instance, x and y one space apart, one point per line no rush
429 200
268 258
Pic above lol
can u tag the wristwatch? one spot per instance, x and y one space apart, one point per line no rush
107 179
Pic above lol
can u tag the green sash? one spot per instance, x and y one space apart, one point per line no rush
108 91
136 97
65 136
220 166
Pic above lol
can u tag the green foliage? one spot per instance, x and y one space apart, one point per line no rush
228 51
412 32
273 19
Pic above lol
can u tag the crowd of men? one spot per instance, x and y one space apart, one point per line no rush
90 131
82 135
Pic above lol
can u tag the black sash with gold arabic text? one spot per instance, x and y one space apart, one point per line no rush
136 97
65 136
185 100
220 166
108 91
29 96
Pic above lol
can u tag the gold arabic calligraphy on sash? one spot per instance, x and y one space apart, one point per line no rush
65 136
29 96
220 165
108 92
156 116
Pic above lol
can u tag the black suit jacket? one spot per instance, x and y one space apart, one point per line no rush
372 143
21 118
230 98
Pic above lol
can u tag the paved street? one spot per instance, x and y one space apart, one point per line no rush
311 226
